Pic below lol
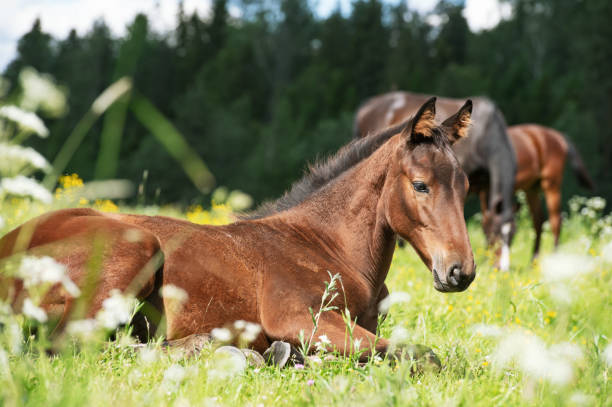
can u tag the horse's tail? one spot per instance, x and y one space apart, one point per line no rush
578 166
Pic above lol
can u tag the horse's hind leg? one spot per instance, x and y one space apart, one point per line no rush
552 193
100 254
535 207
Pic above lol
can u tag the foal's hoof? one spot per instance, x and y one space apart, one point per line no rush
278 354
241 356
253 357
424 359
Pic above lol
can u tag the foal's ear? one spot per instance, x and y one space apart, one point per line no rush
457 126
422 123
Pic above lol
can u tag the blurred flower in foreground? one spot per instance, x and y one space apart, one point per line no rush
27 122
606 355
37 271
560 269
45 270
227 362
487 330
84 329
323 343
173 377
174 296
41 92
15 159
531 355
221 334
23 186
30 310
391 299
116 310
563 266
606 252
248 330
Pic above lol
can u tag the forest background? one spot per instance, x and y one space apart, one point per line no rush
259 93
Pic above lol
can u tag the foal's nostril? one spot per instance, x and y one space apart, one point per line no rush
454 275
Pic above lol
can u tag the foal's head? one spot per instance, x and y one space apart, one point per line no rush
426 189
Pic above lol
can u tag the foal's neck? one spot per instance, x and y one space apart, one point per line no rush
349 211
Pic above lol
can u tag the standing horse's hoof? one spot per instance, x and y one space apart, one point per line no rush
278 354
424 359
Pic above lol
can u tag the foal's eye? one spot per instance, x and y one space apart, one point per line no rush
420 186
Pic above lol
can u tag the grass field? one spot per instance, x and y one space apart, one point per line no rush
536 335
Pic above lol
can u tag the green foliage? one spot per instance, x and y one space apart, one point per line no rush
252 93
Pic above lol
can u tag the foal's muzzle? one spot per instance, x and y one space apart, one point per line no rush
456 278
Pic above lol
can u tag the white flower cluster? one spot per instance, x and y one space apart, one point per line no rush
322 343
173 293
554 363
392 299
248 330
116 310
24 186
35 271
15 159
41 92
26 121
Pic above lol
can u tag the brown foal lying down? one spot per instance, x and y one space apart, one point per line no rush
343 217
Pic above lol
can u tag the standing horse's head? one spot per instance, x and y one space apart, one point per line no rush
426 189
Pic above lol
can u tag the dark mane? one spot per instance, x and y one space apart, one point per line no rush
324 171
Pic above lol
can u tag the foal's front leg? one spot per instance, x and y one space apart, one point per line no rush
287 328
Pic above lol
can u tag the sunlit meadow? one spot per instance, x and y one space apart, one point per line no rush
539 334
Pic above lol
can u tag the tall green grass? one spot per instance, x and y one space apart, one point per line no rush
522 301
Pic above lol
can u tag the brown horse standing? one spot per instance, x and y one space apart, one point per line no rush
342 217
486 155
541 153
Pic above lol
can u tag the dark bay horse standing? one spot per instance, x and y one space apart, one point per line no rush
486 155
541 153
343 217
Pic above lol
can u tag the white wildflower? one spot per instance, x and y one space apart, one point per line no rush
148 355
399 335
116 310
45 270
240 324
24 186
239 201
15 158
563 266
606 252
535 359
40 91
27 121
357 344
221 334
393 298
323 342
30 310
173 377
83 329
250 332
597 203
4 364
172 292
227 361
606 355
581 399
487 330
